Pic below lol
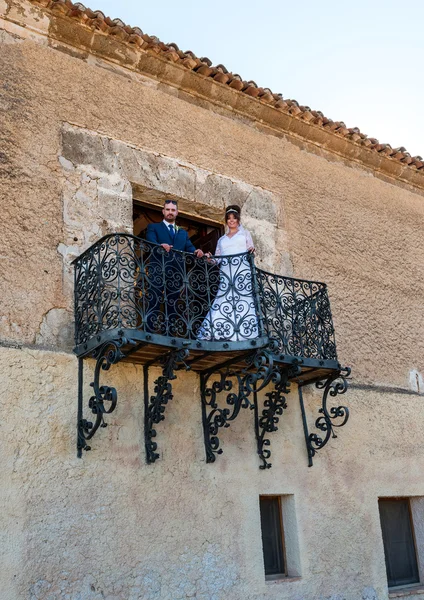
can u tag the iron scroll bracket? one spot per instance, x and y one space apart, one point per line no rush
329 417
154 405
240 387
274 404
104 399
225 390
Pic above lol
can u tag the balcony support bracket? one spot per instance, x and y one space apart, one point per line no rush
155 404
241 386
330 417
104 398
272 410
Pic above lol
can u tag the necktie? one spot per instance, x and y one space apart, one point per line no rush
171 231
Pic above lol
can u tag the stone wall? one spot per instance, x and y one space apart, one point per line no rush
80 140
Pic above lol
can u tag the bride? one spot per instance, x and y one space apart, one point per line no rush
233 314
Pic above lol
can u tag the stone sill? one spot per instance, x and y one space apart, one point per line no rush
281 579
407 591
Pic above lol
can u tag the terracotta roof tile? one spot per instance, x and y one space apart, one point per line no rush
96 20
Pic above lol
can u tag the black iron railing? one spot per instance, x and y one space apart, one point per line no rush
297 315
125 283
247 332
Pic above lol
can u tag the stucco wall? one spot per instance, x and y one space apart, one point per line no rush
339 224
110 526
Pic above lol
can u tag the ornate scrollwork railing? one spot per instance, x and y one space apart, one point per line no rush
297 315
125 283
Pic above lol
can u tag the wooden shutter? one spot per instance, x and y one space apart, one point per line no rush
398 540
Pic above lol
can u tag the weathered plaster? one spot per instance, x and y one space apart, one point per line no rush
78 142
338 224
126 59
56 330
110 526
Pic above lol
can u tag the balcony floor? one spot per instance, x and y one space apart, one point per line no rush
141 348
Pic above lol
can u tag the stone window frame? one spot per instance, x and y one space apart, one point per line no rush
102 176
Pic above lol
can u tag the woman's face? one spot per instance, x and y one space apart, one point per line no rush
232 221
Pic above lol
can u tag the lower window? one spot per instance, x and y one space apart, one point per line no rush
398 540
272 536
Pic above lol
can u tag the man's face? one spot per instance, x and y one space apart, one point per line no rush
170 212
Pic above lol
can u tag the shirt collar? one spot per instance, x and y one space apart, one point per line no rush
168 224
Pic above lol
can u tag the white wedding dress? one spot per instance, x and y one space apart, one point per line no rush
232 316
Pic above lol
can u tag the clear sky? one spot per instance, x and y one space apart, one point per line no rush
360 62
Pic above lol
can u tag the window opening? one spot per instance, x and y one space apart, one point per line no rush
398 541
272 536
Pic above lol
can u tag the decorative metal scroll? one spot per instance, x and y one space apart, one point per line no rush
330 417
125 282
273 407
238 385
297 314
104 399
155 405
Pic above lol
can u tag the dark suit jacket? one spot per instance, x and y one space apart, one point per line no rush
159 234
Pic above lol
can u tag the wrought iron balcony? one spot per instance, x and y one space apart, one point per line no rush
220 316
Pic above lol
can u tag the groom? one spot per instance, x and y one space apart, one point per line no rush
166 270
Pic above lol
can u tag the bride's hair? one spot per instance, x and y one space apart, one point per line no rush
234 210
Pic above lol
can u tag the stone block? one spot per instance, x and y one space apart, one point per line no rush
113 183
66 164
28 15
284 265
220 191
113 49
67 31
151 170
80 203
70 51
115 211
261 204
56 330
3 8
84 148
263 235
8 37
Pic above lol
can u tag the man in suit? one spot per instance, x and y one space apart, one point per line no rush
166 272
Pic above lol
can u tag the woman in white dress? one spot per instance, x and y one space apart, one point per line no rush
233 314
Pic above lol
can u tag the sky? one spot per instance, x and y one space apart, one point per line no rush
359 62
